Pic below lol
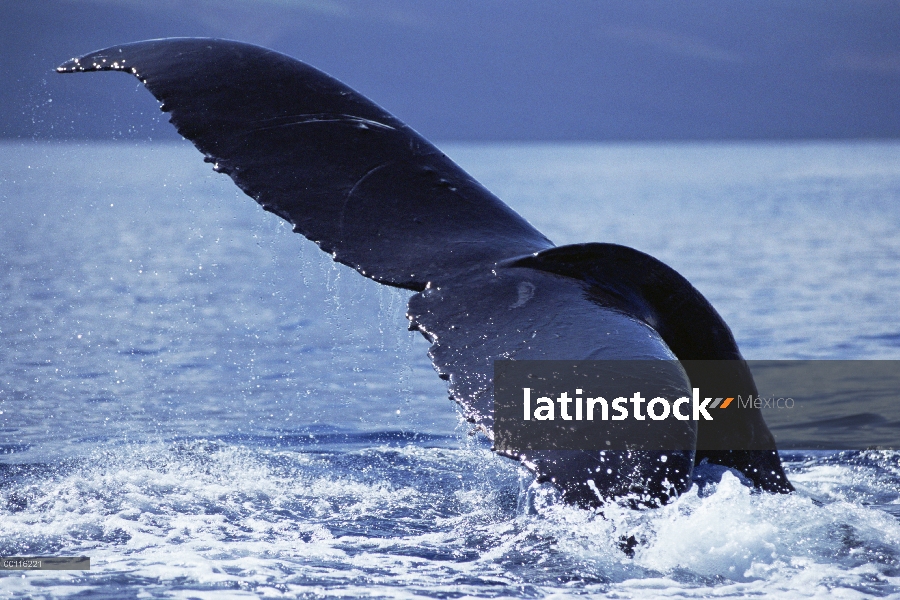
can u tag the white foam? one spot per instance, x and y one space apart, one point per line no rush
201 518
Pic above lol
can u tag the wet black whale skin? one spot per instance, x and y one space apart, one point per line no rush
381 199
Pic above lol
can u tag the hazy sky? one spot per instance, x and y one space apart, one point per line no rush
496 69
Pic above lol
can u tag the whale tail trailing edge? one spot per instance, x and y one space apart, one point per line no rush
381 199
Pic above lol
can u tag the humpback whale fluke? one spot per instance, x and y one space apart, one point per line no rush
381 199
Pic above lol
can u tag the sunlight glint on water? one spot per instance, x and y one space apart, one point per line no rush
201 402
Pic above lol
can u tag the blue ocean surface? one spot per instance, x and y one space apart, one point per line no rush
205 405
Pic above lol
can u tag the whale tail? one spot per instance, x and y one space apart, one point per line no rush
381 199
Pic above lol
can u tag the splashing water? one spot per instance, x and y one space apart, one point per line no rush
396 517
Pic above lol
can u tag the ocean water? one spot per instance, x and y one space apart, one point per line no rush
208 407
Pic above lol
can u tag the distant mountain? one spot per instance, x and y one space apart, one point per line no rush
496 69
